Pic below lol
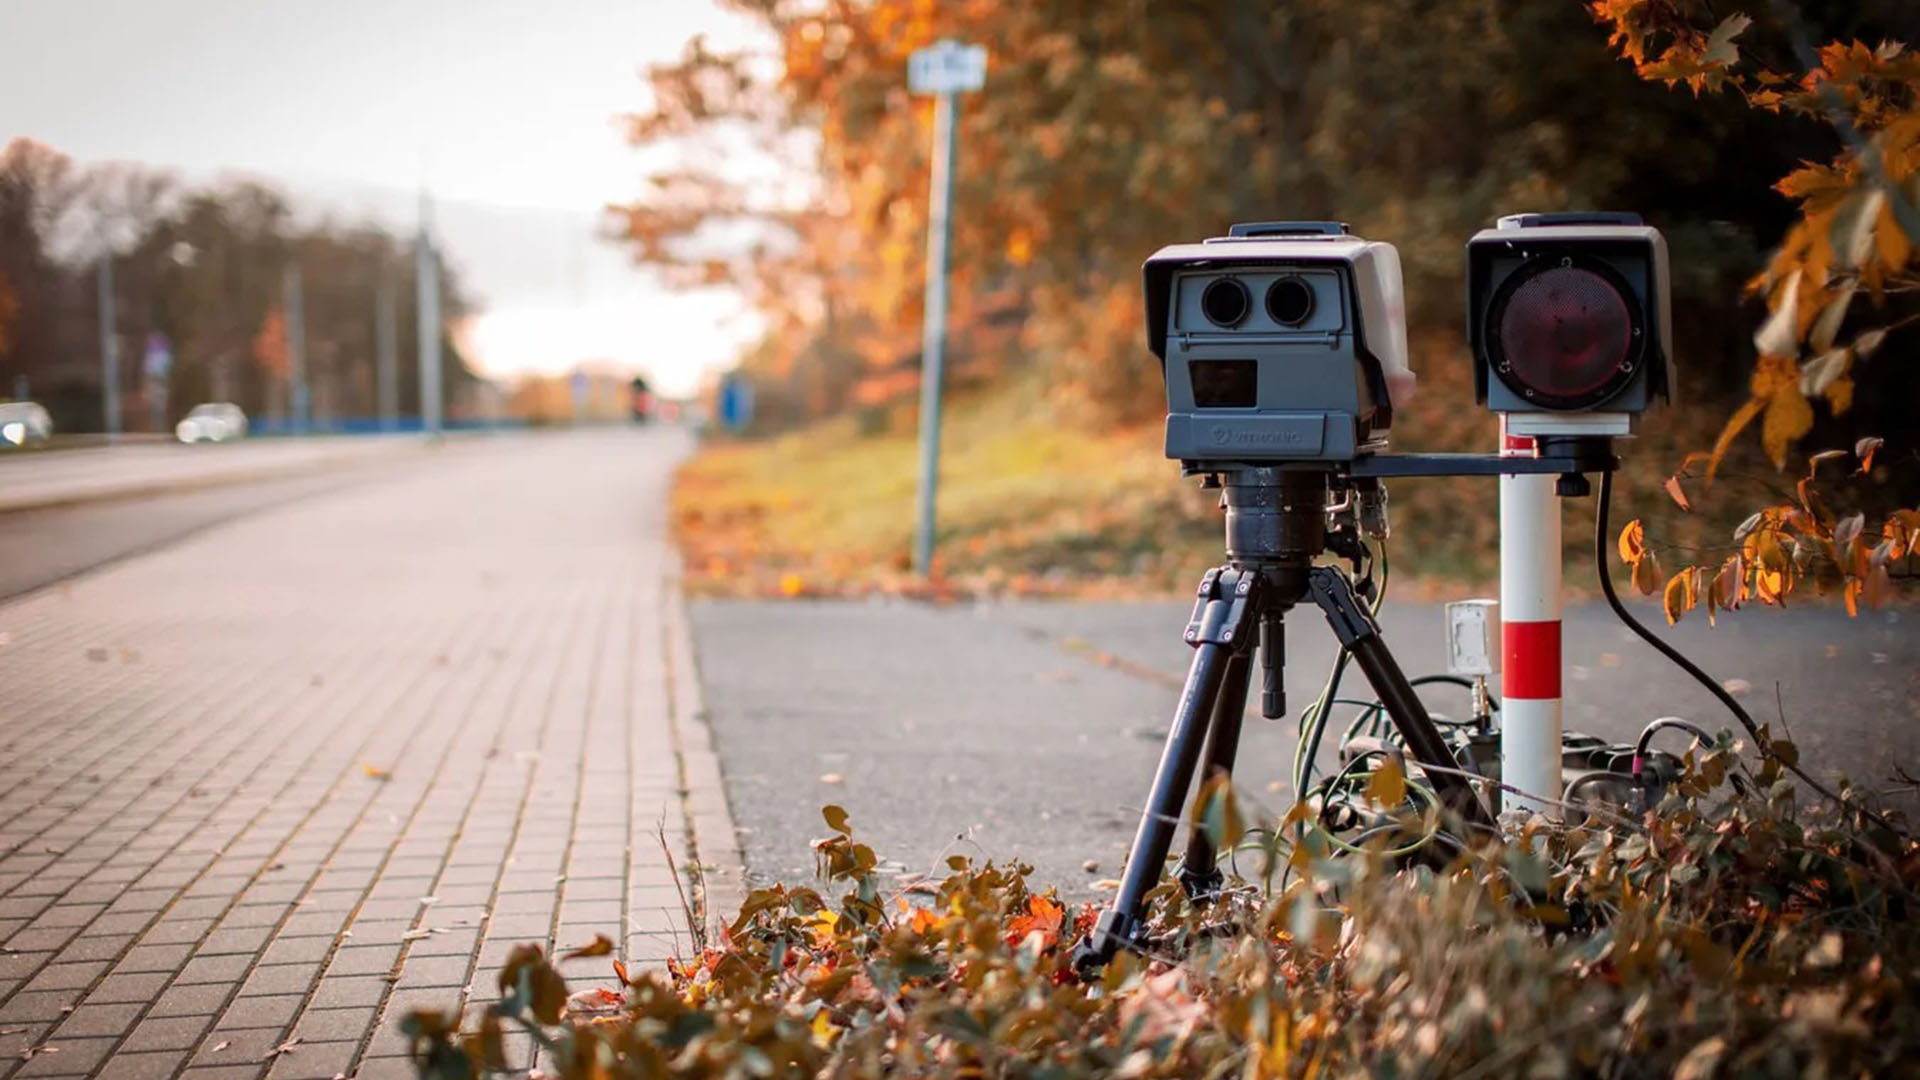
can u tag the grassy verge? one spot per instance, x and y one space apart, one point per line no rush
1032 505
1027 505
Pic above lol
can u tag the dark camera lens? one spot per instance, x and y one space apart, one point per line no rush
1566 332
1225 302
1290 301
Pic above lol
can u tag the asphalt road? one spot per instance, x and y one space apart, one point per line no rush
37 479
1030 730
201 487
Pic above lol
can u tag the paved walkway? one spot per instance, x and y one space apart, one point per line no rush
273 787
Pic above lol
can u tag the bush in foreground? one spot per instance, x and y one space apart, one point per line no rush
1723 934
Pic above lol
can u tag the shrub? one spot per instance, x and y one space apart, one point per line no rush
1724 933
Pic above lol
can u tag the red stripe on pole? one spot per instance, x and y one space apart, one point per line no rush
1531 664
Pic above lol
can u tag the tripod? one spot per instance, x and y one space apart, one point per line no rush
1276 525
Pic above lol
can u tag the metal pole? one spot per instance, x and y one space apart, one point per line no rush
427 282
386 351
296 347
109 349
1530 572
933 340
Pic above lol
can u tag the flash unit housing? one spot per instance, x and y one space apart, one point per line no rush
1278 342
1570 315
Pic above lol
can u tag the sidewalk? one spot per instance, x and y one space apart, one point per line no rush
280 784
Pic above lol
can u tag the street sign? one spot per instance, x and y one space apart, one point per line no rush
947 68
159 357
736 402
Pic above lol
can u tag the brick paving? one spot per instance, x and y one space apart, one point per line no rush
271 788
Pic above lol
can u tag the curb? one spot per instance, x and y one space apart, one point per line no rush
720 885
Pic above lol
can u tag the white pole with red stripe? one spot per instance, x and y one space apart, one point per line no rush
1529 633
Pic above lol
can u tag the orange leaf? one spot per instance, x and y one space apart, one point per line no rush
1788 417
1678 598
1044 916
1679 496
1738 422
925 921
1646 574
1633 542
600 946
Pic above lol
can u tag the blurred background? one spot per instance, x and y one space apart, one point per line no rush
612 189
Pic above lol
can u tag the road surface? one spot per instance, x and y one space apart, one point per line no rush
1031 730
39 479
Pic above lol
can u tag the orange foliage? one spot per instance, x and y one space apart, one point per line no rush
1856 237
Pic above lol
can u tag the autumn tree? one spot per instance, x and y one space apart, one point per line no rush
1837 290
796 172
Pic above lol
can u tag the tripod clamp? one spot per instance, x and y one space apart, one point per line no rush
1220 613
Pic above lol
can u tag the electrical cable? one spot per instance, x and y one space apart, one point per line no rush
1600 537
1313 724
1647 733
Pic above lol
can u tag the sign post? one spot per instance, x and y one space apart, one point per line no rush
158 363
944 70
109 350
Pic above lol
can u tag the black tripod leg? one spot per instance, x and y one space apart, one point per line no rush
1357 631
1199 875
1120 924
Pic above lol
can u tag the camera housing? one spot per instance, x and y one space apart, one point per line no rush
1570 316
1279 342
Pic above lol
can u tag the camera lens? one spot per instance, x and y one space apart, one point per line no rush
1566 332
1290 301
1225 302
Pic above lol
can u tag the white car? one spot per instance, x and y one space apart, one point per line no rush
23 422
212 422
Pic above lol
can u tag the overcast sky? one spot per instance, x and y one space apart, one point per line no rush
505 109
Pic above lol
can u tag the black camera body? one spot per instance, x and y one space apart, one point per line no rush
1571 320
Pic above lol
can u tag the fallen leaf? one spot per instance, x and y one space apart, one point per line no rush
376 772
283 1048
600 946
832 778
222 1045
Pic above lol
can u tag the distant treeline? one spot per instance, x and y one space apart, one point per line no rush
203 266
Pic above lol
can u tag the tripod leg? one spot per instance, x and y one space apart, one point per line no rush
1199 875
1358 632
1224 618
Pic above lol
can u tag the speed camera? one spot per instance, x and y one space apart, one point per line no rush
1279 342
1571 321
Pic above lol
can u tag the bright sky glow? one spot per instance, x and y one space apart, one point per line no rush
506 109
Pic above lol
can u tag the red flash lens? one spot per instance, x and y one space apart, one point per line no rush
1566 332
